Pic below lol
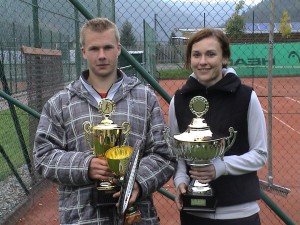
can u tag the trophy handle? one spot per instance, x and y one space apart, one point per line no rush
126 126
87 126
230 140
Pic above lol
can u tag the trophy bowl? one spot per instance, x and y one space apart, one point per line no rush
118 158
104 136
201 151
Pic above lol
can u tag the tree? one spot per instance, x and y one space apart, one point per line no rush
127 36
285 26
236 24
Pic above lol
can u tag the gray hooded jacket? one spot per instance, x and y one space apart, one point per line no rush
62 155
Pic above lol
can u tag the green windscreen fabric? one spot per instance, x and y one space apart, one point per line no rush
252 59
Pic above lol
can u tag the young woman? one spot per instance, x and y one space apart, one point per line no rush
231 104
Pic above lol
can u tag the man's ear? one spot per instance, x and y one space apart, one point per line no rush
119 49
83 52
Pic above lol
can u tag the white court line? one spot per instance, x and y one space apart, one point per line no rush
289 98
260 86
281 121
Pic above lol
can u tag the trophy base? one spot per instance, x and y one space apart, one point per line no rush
198 203
102 197
199 198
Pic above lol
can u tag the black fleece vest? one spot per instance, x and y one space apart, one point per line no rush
226 109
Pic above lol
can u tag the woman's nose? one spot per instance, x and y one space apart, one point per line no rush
202 60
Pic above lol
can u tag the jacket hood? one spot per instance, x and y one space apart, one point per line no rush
229 83
128 83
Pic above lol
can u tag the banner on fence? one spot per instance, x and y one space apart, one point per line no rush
252 59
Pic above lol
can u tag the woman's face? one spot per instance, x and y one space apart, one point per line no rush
207 60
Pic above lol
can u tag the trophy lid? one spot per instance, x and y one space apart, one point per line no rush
106 107
198 130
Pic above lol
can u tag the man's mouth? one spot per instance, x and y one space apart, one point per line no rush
102 65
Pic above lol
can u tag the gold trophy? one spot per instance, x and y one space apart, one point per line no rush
117 159
198 147
100 138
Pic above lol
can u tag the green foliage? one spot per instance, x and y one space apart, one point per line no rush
261 12
285 27
10 142
235 25
127 36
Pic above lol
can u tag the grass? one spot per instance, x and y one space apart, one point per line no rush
9 140
174 74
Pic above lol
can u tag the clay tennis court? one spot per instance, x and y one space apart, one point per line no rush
284 166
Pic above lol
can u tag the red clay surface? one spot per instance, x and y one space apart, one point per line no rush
284 167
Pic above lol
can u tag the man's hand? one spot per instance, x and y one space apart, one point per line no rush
99 170
134 195
204 174
181 189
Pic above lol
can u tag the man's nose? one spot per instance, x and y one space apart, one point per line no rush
101 54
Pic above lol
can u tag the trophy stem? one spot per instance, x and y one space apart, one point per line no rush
202 189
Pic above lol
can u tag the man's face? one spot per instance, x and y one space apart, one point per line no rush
101 50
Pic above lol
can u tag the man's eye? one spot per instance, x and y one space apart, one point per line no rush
108 47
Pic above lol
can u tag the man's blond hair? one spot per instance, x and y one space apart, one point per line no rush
98 25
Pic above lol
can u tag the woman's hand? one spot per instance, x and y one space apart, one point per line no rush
181 189
204 174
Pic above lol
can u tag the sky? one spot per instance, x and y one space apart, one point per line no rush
247 2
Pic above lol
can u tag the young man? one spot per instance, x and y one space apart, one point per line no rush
61 152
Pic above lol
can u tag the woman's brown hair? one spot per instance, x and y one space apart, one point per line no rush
206 33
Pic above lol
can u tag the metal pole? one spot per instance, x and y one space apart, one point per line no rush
14 116
14 170
99 8
35 18
276 209
270 66
252 68
19 104
77 44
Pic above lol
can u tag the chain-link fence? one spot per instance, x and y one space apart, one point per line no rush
40 53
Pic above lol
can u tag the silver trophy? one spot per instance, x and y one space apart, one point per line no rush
198 147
